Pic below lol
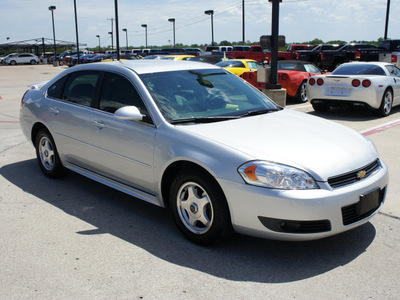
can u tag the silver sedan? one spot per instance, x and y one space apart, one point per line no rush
199 140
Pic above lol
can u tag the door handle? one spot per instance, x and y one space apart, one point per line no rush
99 124
54 110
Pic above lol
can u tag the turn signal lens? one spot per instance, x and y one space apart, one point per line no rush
311 81
320 81
250 171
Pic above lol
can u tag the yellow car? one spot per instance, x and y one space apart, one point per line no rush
177 57
239 66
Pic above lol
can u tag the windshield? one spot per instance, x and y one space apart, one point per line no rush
359 69
311 68
213 93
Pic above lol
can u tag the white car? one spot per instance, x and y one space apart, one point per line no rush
200 141
22 58
375 85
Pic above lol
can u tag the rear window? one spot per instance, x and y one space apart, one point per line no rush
359 69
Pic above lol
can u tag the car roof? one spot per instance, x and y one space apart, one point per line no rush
377 63
148 66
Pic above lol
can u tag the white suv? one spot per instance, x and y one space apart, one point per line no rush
22 58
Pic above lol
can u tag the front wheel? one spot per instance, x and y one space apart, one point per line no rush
13 62
199 207
47 155
386 104
302 92
33 62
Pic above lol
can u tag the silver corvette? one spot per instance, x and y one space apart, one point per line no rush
375 85
199 140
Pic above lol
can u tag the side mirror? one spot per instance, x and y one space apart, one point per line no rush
131 113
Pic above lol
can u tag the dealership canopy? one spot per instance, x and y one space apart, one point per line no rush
39 44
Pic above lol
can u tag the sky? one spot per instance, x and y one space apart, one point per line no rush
300 20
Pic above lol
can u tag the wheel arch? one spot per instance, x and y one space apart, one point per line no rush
35 129
173 169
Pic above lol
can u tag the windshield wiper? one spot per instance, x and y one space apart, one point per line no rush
256 112
204 119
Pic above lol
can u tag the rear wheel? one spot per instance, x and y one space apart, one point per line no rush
386 104
47 155
320 107
199 207
302 92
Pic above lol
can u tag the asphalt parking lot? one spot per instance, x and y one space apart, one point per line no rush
73 238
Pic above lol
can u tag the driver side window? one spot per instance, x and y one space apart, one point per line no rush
117 92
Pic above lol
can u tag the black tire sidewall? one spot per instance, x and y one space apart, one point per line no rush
221 226
381 111
58 169
299 98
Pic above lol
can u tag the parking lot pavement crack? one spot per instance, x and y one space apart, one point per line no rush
390 216
12 146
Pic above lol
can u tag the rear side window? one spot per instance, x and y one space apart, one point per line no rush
80 87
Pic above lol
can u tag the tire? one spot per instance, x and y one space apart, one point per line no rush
47 155
13 62
320 107
33 62
301 95
386 104
199 207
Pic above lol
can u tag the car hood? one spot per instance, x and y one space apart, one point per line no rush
323 148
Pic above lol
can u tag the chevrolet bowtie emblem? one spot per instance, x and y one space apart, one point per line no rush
361 174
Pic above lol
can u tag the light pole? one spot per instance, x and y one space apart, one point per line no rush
211 13
52 8
126 34
112 40
243 17
387 19
76 29
116 28
98 36
145 32
172 20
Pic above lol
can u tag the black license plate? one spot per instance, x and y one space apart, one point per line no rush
368 202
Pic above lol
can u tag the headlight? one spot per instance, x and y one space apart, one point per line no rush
276 176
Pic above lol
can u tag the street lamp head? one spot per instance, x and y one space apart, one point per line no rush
110 32
172 20
124 29
52 7
97 35
209 12
144 25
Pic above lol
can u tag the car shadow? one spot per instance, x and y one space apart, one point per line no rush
152 228
350 113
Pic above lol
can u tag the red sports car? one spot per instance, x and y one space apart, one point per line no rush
292 76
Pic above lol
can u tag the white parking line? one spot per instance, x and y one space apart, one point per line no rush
381 127
303 106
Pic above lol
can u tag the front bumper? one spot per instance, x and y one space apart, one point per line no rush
276 214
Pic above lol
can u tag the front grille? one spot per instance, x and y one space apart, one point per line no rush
350 215
352 177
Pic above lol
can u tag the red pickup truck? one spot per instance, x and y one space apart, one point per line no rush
259 54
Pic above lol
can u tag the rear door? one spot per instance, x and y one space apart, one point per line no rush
69 110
